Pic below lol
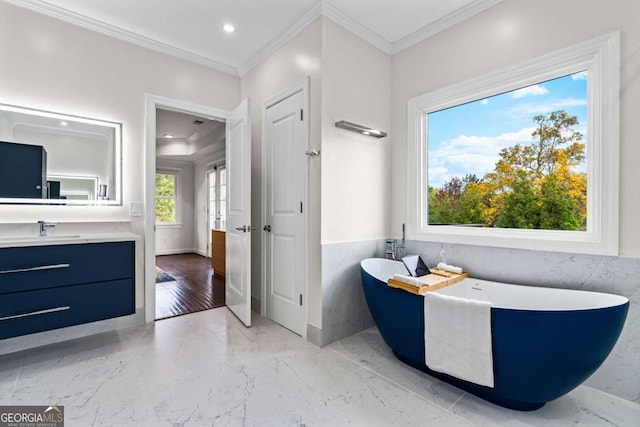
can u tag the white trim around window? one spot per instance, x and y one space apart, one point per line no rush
601 58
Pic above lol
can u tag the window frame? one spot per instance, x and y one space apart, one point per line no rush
177 196
600 57
221 217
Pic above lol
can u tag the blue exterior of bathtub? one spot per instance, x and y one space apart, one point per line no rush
538 356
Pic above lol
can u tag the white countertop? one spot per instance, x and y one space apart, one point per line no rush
65 239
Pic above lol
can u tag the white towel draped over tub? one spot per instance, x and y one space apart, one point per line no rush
457 337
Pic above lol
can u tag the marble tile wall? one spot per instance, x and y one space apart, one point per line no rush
344 308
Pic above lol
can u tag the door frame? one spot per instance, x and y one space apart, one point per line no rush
152 102
303 87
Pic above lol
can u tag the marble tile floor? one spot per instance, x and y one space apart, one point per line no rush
206 369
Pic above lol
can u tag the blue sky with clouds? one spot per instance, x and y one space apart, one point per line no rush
467 139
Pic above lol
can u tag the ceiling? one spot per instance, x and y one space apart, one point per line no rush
192 137
192 29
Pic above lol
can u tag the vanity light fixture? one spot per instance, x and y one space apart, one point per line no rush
228 28
343 124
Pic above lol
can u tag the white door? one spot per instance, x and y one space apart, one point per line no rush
238 227
284 221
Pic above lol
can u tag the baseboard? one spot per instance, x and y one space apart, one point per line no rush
24 342
255 304
201 253
314 335
175 251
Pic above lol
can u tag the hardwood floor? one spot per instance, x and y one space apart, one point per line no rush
195 287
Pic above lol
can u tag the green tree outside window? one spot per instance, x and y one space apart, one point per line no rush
166 197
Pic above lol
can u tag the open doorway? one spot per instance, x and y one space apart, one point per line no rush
190 175
238 210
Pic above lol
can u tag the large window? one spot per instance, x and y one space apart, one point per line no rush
167 207
524 157
513 160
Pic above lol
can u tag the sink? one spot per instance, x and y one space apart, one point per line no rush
61 237
40 238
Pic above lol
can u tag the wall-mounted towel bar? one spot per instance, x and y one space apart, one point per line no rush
343 124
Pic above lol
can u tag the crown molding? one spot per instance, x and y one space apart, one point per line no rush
268 49
206 130
443 23
121 34
353 25
320 8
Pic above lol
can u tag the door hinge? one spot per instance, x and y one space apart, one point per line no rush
300 207
300 299
301 114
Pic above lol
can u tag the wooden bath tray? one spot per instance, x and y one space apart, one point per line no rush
431 282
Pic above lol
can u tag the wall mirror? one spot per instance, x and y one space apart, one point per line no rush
51 158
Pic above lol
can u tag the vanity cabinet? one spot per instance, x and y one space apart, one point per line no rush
55 286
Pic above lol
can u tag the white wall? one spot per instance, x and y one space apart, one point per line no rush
289 65
356 174
351 177
512 32
52 65
356 170
179 238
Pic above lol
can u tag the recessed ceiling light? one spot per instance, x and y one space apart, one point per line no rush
168 135
63 123
228 28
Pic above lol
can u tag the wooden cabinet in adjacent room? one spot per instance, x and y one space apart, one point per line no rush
218 250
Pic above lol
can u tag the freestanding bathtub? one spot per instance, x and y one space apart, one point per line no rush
545 341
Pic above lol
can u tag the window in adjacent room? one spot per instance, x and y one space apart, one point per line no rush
217 178
167 197
525 157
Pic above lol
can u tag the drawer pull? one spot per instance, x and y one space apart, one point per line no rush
36 313
41 267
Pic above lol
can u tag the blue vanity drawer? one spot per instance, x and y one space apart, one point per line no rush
40 267
35 311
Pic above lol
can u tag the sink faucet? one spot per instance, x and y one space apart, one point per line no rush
44 226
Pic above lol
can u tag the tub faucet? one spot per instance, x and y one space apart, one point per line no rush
394 248
399 246
399 249
43 227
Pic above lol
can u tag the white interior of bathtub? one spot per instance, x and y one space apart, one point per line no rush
503 295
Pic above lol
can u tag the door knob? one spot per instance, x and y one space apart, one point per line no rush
267 228
243 228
